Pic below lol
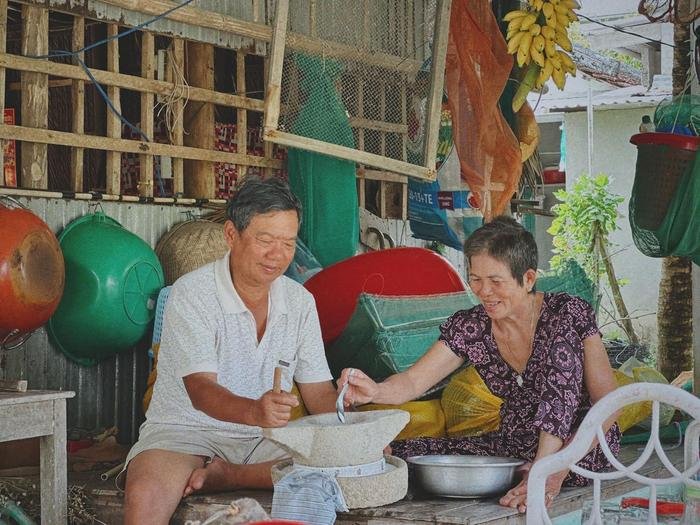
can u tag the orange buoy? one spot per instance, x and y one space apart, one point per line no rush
31 272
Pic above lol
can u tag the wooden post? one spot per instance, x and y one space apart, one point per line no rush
404 147
361 194
241 114
147 71
274 73
35 97
437 81
114 126
78 99
383 186
53 468
268 146
178 56
199 121
3 48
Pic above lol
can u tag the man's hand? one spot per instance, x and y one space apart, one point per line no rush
272 409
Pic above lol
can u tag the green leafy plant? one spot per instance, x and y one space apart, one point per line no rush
585 217
585 211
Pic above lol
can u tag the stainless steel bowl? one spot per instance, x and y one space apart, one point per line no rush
465 476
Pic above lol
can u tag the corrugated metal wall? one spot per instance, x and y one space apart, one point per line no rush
109 393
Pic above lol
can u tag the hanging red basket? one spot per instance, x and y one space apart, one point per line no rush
662 160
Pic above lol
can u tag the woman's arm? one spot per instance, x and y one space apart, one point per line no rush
599 381
598 374
435 365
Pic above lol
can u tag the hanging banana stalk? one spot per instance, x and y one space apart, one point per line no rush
537 36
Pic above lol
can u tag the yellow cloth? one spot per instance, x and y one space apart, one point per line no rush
427 418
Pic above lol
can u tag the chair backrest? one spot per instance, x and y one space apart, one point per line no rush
591 427
158 319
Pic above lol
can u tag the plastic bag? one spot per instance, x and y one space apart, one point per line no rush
304 265
638 372
470 407
444 210
427 418
631 415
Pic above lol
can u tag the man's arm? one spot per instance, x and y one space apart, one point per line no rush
318 397
208 396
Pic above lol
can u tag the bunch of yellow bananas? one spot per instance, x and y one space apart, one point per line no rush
534 34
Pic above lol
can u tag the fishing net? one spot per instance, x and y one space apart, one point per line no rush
366 58
664 208
679 115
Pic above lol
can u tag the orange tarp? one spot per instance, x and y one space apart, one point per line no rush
477 70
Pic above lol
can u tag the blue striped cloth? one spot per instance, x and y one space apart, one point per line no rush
311 497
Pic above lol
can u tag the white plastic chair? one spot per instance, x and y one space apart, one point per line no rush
591 427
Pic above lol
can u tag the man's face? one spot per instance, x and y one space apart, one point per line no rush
263 251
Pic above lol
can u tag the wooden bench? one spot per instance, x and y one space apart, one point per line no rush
420 509
41 413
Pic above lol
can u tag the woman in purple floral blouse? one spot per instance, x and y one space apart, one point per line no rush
541 353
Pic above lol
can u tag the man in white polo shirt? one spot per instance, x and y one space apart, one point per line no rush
226 327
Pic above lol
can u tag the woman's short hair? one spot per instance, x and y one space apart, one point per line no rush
256 196
507 241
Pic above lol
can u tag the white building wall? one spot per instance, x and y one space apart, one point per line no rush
614 155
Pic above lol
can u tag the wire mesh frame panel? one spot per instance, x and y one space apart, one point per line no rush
362 81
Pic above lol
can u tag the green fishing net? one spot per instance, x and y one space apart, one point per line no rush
664 208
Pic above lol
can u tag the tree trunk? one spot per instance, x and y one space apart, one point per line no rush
675 309
624 320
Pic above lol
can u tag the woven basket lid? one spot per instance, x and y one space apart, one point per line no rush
189 245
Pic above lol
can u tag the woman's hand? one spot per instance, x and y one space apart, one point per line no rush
516 497
361 390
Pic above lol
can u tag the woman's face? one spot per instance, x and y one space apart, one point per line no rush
499 292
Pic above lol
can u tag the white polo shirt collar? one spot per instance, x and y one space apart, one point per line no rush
232 302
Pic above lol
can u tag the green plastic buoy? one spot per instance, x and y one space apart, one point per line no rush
112 282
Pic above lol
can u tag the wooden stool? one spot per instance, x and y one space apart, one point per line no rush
41 413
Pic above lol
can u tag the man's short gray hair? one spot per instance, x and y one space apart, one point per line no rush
256 196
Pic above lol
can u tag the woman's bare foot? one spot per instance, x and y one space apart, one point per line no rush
216 476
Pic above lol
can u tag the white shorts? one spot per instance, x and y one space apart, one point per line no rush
205 443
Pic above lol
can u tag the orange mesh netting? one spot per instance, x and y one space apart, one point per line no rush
476 72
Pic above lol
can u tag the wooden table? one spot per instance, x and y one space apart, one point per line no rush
41 413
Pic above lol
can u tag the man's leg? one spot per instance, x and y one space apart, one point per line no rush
238 464
155 481
220 475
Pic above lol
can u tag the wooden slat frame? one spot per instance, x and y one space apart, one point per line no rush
264 33
112 144
131 82
35 96
3 48
63 138
437 82
178 55
281 39
114 125
78 105
241 114
145 184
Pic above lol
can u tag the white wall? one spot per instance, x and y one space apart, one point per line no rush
614 155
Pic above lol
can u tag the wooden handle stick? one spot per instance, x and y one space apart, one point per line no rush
277 381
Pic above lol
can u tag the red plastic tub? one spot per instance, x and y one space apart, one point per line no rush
395 271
